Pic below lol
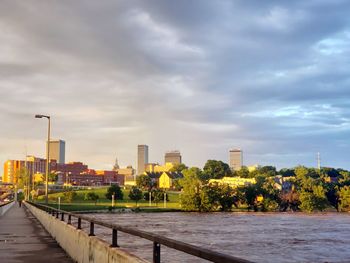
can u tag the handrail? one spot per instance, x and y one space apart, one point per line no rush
156 239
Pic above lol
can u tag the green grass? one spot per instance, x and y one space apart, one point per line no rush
79 204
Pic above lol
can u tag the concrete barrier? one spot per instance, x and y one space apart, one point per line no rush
79 245
5 207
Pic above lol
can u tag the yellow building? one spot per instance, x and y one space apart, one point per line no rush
156 168
11 171
234 181
164 180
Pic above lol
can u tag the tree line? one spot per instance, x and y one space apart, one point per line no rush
304 189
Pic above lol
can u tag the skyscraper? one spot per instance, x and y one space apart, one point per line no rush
173 157
236 159
58 151
142 158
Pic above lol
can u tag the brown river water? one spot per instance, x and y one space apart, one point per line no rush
259 237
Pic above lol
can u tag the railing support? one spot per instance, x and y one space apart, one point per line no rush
156 252
62 216
79 223
57 213
114 238
92 227
69 220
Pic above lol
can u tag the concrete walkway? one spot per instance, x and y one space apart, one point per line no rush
23 239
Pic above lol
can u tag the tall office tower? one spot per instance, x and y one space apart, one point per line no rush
12 170
58 151
236 159
142 158
173 157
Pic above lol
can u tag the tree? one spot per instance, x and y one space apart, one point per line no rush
332 194
158 195
69 196
52 177
306 178
329 172
143 181
250 195
344 178
209 198
91 196
22 177
267 171
227 198
178 167
135 194
313 200
244 173
191 184
344 197
285 172
176 184
289 200
115 190
216 170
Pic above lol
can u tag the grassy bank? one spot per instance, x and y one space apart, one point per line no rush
79 204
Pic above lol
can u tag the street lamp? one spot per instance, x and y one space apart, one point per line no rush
39 116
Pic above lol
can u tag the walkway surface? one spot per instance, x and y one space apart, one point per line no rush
23 239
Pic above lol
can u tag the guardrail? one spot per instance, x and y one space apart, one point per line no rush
156 239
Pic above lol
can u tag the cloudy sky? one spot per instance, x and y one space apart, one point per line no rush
269 77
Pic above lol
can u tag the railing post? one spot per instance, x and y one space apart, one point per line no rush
57 213
69 220
114 238
62 216
156 252
79 223
92 229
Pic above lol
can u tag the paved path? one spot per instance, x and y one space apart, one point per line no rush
23 239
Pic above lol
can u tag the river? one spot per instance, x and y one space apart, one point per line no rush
259 237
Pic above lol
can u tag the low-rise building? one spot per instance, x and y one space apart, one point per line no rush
157 168
128 174
234 181
164 180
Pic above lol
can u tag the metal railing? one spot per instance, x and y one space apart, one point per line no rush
156 239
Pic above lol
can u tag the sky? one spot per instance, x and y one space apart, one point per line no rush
269 77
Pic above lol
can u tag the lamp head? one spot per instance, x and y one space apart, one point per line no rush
39 116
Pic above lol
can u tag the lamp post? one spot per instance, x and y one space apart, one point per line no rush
39 116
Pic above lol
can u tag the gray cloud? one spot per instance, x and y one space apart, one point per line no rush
267 76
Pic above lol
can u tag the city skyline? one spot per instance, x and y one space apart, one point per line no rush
270 78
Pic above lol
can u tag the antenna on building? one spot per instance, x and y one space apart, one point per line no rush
318 161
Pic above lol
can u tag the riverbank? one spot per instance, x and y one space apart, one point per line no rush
92 208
